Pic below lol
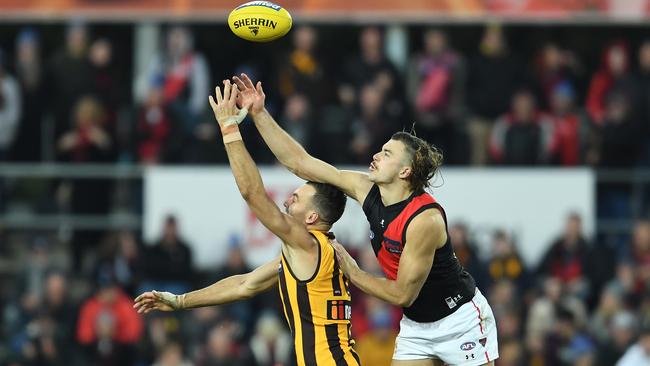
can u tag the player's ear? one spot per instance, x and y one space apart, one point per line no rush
312 218
405 172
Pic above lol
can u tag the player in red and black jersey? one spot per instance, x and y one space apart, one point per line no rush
446 318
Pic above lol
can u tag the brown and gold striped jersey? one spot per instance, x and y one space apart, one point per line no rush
319 310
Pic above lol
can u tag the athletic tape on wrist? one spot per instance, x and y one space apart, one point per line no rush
235 120
232 137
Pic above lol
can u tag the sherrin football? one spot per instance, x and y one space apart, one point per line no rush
259 21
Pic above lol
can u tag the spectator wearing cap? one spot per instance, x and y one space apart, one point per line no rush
29 73
639 353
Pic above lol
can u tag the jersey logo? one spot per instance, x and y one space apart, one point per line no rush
339 310
280 267
382 223
392 246
372 235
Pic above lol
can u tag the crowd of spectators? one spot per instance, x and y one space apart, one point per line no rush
584 303
489 106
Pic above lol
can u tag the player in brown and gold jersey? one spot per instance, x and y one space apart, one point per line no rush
314 292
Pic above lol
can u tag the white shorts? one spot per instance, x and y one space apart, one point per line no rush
467 337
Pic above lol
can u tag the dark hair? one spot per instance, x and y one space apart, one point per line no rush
329 201
425 159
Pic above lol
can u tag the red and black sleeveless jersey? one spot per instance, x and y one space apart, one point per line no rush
448 285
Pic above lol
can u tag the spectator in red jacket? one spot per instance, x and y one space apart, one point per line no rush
613 75
108 326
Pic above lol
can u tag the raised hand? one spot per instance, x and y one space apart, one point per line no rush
225 108
155 300
249 95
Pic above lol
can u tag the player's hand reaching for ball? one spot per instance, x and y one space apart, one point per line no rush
225 107
249 94
346 262
155 300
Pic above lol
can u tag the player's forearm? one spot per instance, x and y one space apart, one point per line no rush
287 150
380 287
222 292
244 170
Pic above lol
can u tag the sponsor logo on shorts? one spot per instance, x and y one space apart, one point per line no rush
467 346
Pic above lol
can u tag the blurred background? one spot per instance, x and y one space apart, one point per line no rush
113 177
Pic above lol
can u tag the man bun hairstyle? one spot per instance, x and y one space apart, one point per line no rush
425 159
329 201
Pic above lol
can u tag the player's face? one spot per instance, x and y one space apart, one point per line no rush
389 164
299 204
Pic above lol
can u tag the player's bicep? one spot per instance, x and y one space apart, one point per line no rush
424 236
262 278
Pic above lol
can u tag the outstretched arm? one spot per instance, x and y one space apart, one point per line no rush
290 153
247 176
425 234
229 289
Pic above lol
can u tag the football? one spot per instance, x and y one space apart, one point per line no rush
259 21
